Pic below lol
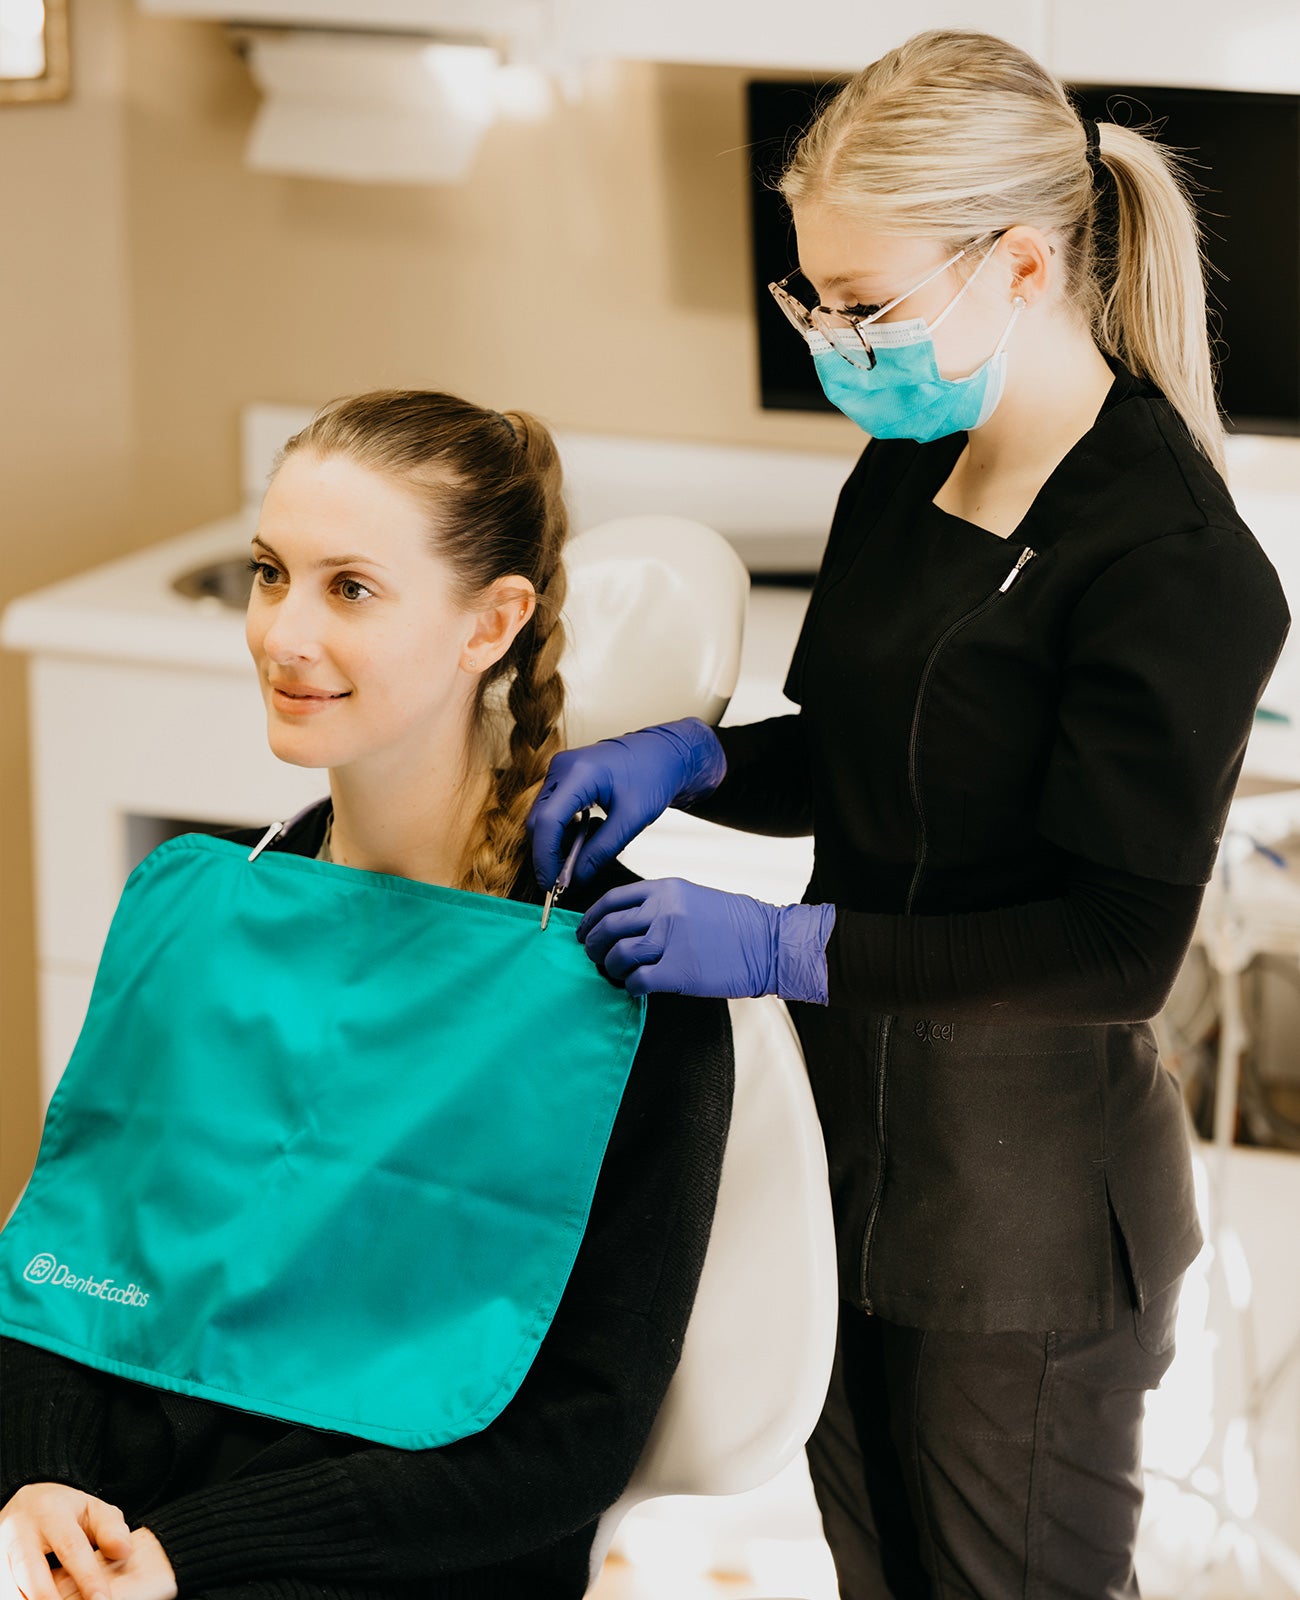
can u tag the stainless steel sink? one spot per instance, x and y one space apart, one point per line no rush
228 580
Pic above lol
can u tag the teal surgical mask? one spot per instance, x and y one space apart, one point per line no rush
904 396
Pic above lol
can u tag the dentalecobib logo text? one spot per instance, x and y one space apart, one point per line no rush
43 1268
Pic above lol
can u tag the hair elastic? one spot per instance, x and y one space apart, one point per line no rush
1093 152
1105 195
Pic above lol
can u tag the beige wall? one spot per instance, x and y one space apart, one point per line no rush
66 448
594 270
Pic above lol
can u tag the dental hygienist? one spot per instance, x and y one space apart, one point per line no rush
1025 682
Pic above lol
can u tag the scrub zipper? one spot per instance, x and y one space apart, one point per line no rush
1025 555
939 643
885 1024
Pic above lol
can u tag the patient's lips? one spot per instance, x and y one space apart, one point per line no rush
304 697
287 687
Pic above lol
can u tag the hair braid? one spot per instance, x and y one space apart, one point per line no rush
535 698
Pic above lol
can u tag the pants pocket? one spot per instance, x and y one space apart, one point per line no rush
1154 1326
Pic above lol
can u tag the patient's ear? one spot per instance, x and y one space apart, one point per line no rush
506 607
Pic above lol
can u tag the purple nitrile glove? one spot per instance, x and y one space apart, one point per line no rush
666 935
633 778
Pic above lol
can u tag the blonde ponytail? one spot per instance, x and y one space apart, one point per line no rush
955 134
1153 313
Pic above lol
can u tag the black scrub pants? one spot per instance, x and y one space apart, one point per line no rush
1003 1466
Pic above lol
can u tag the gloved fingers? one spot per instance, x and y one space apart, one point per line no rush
607 838
625 955
654 977
569 786
634 778
632 922
620 898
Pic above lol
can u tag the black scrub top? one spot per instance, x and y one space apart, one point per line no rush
972 708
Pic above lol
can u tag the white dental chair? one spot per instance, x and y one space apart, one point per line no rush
756 1359
656 618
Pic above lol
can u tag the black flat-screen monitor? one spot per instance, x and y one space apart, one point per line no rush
1246 147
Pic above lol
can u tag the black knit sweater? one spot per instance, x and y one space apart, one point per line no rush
249 1508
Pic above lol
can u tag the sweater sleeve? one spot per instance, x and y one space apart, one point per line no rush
1107 949
566 1445
52 1414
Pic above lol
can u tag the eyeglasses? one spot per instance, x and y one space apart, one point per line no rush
842 330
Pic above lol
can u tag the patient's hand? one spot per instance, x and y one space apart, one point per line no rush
43 1519
145 1574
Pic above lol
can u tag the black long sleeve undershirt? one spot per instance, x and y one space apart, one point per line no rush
1107 949
765 789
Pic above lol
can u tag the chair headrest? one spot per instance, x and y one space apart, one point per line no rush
655 617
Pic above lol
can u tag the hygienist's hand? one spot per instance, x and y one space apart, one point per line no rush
666 935
57 1519
633 778
144 1574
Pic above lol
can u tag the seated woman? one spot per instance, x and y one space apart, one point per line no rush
405 625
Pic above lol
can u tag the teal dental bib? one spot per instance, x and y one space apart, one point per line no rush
326 1146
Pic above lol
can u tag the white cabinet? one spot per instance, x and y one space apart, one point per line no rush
423 16
839 35
1252 44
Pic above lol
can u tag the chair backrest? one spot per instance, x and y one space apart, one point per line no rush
756 1360
656 614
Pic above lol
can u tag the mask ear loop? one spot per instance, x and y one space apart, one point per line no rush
983 261
1018 306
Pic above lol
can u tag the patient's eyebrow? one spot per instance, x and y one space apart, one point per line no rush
326 561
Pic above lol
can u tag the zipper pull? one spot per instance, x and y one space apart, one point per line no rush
1015 571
